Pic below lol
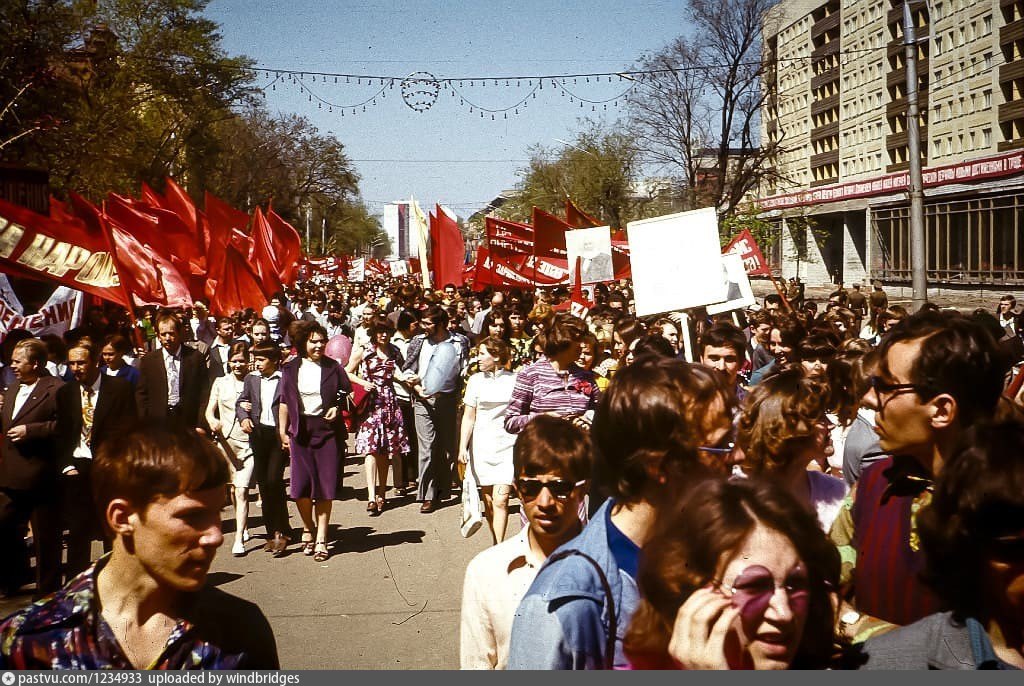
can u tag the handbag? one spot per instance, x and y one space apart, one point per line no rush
472 518
358 405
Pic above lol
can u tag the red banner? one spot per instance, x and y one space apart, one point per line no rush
577 218
747 248
67 252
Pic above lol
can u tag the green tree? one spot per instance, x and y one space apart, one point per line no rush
599 171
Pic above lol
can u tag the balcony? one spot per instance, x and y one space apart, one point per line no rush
895 15
829 103
900 140
1011 71
825 25
823 158
1005 146
898 167
830 48
1011 32
825 79
898 107
1011 111
899 76
826 131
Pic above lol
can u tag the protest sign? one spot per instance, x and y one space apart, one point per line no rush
56 316
357 270
676 262
738 291
594 248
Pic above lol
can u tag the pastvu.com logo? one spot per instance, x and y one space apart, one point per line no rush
7 678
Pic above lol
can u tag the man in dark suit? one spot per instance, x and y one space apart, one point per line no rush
90 409
257 410
28 469
218 360
172 378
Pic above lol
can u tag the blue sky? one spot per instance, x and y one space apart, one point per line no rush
446 154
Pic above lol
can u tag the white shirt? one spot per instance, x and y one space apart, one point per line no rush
83 450
224 348
309 388
268 387
496 580
173 389
23 393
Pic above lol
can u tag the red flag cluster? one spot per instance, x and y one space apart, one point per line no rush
534 254
154 250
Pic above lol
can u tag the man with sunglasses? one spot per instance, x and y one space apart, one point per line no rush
552 461
648 433
939 374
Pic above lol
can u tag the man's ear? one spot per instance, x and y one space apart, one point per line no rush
944 411
121 517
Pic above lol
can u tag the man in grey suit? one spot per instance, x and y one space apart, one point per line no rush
28 470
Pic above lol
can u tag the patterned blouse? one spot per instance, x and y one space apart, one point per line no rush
540 389
66 630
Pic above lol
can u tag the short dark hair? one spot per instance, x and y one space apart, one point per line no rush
168 316
978 497
85 343
653 344
300 333
155 459
651 416
725 335
958 356
238 348
552 445
564 330
268 350
119 343
436 313
406 318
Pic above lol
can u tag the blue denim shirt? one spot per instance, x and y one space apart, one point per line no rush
562 622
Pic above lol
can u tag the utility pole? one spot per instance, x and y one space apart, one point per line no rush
323 235
308 212
918 275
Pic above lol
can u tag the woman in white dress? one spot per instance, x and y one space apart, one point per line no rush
484 444
227 429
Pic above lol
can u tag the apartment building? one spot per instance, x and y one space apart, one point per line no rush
837 105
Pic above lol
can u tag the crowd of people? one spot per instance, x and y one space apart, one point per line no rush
799 484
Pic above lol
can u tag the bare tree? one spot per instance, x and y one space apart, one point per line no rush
697 110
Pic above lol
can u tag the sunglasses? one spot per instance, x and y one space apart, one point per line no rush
880 386
560 488
753 589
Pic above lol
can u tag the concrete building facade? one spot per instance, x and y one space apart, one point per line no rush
838 107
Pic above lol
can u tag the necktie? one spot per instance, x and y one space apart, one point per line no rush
87 414
172 382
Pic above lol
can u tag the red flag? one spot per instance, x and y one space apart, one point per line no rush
146 273
178 201
577 304
162 230
449 248
504 229
577 218
753 261
549 234
69 251
287 245
150 196
263 253
239 286
221 220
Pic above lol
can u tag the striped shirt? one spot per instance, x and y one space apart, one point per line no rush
540 389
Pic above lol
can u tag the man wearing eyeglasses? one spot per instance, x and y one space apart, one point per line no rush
552 460
939 374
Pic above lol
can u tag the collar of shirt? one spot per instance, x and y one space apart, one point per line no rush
276 376
906 477
168 354
525 556
95 385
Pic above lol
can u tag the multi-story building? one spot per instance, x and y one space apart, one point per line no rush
838 104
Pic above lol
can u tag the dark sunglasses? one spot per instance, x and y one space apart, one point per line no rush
530 488
753 589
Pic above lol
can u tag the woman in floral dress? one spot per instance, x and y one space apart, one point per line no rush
381 437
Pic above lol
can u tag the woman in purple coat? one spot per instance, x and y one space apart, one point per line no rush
313 389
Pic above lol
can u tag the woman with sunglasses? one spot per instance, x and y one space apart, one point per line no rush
783 431
972 536
740 577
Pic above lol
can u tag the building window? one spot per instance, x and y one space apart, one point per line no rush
987 21
988 60
987 98
986 137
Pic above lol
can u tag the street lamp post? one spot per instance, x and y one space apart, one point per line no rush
918 274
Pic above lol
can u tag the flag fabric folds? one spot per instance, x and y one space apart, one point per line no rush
449 249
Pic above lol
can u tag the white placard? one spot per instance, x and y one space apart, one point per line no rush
399 268
357 270
56 316
594 248
676 262
738 292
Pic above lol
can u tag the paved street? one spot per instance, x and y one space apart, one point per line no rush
388 598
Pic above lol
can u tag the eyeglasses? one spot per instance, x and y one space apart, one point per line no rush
881 387
561 489
753 589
